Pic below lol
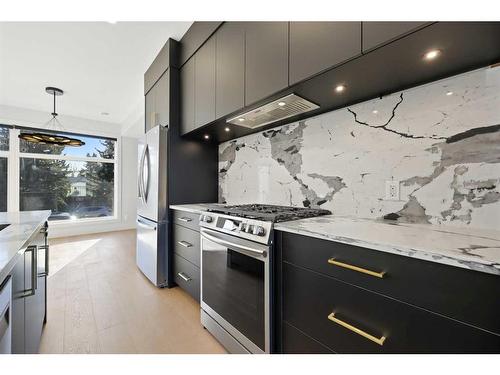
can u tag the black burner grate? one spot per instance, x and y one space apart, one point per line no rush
267 212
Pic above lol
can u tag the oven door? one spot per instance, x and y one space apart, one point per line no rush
235 287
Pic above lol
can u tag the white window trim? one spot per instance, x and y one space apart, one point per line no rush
13 177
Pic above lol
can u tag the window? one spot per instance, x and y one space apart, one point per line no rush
74 182
4 148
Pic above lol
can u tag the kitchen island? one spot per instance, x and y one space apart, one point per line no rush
23 277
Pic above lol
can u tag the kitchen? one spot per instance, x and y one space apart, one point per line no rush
276 187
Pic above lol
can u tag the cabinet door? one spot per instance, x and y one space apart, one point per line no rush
204 84
316 46
17 315
230 68
150 109
162 100
266 59
187 96
34 302
379 33
34 317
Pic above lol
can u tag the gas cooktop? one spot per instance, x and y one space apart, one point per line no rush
267 212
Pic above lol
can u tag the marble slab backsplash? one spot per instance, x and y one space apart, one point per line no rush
440 140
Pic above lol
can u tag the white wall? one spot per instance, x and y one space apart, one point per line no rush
126 200
37 119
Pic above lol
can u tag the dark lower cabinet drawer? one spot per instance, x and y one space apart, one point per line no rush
186 219
187 244
187 276
349 319
297 342
468 296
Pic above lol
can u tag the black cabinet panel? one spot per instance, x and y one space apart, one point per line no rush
465 295
378 33
17 315
310 298
230 72
34 317
266 59
204 84
316 46
187 96
297 342
187 276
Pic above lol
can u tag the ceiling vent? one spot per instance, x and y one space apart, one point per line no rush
277 110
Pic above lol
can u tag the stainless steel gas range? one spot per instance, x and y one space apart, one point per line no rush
236 277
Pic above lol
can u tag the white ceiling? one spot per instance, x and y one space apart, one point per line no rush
99 65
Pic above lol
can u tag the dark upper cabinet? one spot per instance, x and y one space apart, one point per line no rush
266 59
204 84
158 103
162 100
316 46
149 111
230 68
187 96
376 34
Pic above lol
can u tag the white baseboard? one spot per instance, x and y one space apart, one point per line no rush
74 229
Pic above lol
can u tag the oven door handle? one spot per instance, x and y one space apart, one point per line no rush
211 237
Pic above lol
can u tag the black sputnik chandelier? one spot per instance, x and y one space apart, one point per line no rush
52 125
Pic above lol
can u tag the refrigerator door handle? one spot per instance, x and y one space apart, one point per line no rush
146 225
141 176
145 180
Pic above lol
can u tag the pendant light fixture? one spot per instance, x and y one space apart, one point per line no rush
54 125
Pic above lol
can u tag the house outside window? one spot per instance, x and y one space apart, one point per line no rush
73 182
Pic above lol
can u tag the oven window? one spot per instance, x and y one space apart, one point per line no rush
233 286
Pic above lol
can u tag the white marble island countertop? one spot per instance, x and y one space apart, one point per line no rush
13 238
469 248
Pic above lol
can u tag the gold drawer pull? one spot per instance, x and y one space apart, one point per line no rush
376 340
356 268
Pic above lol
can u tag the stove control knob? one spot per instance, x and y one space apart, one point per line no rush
207 219
259 231
249 228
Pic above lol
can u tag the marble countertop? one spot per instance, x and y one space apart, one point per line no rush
14 237
195 208
469 248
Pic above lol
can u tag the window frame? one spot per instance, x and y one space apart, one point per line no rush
14 156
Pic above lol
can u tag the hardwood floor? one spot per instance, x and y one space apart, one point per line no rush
99 302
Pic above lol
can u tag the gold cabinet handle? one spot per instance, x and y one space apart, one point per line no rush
379 341
356 268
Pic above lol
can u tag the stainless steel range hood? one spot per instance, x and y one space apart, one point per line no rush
277 110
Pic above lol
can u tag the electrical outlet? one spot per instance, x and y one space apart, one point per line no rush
392 190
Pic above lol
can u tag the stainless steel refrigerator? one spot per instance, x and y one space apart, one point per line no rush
152 238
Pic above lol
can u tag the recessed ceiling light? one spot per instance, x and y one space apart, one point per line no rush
449 93
241 119
227 129
432 54
281 104
340 88
374 111
206 136
105 113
